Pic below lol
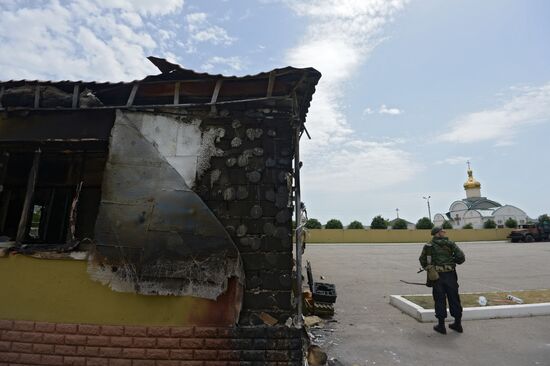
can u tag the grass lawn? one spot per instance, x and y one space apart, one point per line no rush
493 298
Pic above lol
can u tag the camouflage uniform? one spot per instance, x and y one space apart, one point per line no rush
444 255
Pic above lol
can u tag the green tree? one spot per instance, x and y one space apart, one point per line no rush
334 224
468 226
511 223
424 224
313 224
543 218
378 222
355 225
489 224
399 224
447 225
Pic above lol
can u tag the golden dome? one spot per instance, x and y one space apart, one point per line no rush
471 182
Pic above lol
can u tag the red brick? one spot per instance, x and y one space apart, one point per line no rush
33 337
227 332
43 348
192 363
143 363
12 335
191 343
144 342
181 354
65 350
30 359
75 361
121 341
88 329
167 363
205 332
44 327
98 341
66 328
87 351
119 362
51 360
215 363
23 325
11 357
110 351
54 338
157 354
183 332
112 330
6 324
158 331
229 355
213 343
5 346
135 331
168 343
133 353
76 339
205 354
21 347
93 361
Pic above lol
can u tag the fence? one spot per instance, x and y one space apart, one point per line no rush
400 236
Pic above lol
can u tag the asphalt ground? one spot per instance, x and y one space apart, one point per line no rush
367 330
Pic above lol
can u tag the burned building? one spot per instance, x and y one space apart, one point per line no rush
150 222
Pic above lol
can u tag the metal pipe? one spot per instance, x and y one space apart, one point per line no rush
298 207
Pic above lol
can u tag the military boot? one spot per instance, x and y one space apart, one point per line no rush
440 327
457 325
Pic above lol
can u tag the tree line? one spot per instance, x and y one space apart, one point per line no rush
378 222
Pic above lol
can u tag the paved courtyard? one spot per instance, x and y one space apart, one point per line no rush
370 331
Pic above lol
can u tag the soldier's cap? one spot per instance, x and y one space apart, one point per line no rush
436 229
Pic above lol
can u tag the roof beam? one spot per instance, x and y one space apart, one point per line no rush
132 95
271 83
76 92
177 92
37 96
215 95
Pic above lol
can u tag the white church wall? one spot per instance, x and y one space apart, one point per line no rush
472 217
508 211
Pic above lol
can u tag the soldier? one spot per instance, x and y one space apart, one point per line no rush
439 258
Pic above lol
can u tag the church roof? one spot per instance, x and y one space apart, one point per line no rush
480 203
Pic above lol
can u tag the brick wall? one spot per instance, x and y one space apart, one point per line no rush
39 343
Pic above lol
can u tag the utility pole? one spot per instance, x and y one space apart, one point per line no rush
397 210
429 211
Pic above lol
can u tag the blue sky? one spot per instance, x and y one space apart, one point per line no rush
410 89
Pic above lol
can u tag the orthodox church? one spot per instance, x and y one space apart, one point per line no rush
475 209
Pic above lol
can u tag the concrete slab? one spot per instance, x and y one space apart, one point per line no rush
367 330
472 313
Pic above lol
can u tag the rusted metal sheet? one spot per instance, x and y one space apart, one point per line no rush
157 233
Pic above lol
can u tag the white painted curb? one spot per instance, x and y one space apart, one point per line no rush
475 313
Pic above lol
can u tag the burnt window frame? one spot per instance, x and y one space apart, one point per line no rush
70 234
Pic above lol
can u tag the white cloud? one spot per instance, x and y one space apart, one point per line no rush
391 111
360 166
100 40
234 63
453 160
340 36
528 106
383 109
201 30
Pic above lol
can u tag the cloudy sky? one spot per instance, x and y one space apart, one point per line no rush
410 91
